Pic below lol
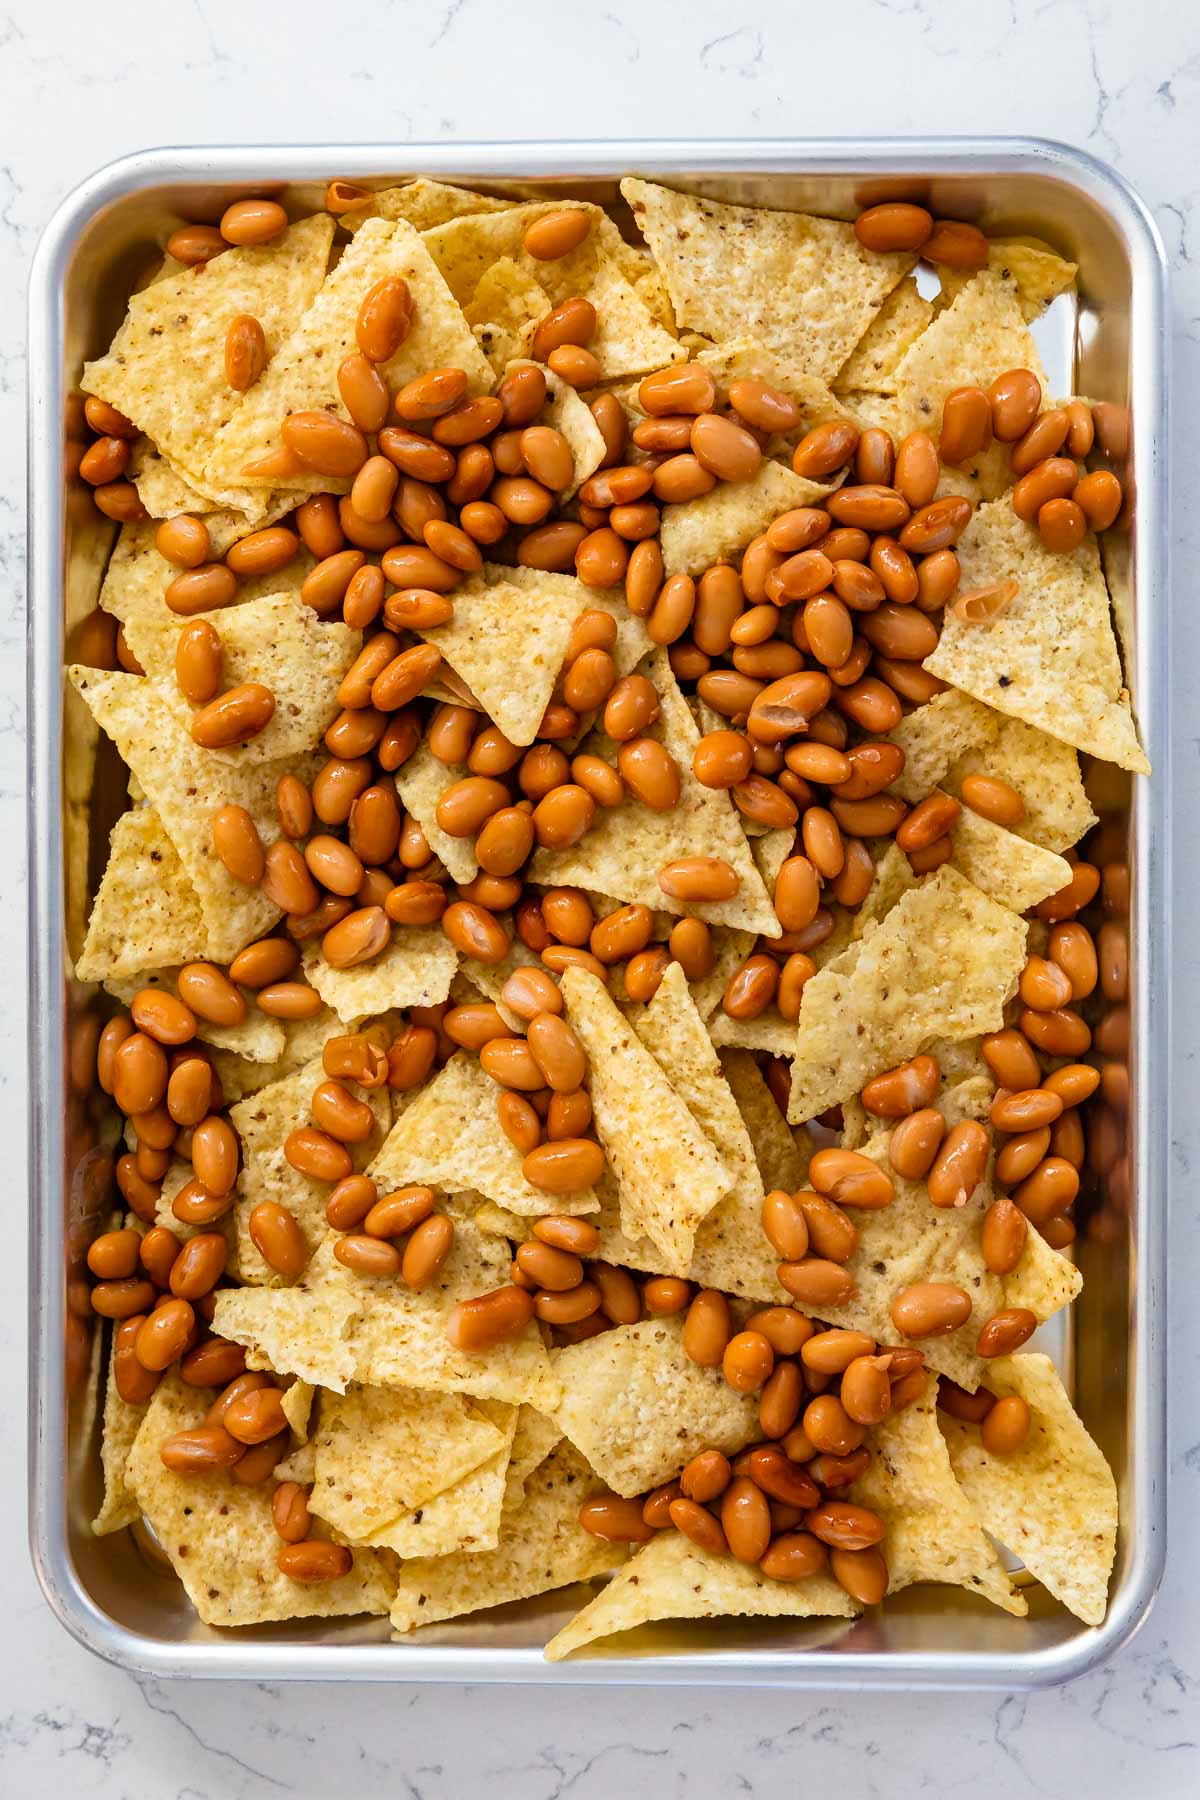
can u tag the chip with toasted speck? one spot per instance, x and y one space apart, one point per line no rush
730 950
771 851
415 968
278 641
871 366
424 204
263 1123
1044 771
1053 1502
535 1436
381 1452
300 1330
934 736
221 1538
628 845
978 337
780 1160
302 375
165 492
186 786
636 1405
803 287
769 1033
303 1039
670 1175
716 527
165 369
257 1036
1040 273
627 341
450 1138
145 913
672 1578
122 1422
565 411
135 585
507 301
941 963
892 878
740 358
1008 867
1050 657
465 1516
298 1466
932 1533
541 1546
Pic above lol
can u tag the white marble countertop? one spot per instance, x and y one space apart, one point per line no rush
84 84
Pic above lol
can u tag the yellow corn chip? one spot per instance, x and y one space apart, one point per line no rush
220 1536
424 204
276 640
730 950
303 1039
449 1137
780 1162
536 1435
145 913
297 1406
508 639
1053 1502
716 527
941 963
506 303
420 783
165 369
870 369
740 358
1040 273
627 339
975 339
263 1123
186 786
803 287
542 1546
165 491
465 1516
670 1175
1050 658
672 1578
629 844
768 1032
566 412
302 376
384 1451
935 736
415 968
638 1408
122 1422
932 1531
301 1330
1008 867
258 1037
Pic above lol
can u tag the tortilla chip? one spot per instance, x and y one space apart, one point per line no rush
258 1037
716 527
165 369
932 1531
670 1175
220 1536
145 913
542 1546
566 412
1008 867
627 339
1040 273
449 1137
536 1435
263 1124
465 1519
420 783
415 968
301 1330
165 492
424 204
741 357
627 845
671 1029
977 338
122 1422
297 1406
276 640
1053 1503
935 736
871 366
384 1451
780 1162
638 1408
1051 657
508 639
769 1033
303 1039
803 287
302 376
299 1466
942 963
672 1578
187 785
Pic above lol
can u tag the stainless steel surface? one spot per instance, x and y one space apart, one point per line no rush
114 1594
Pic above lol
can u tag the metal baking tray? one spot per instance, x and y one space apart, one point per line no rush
115 1594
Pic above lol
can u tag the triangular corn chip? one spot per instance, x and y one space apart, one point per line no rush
542 1546
302 376
535 1437
145 913
672 1578
424 204
670 1175
415 968
740 358
1050 657
165 369
716 527
870 369
1040 273
257 1037
1053 1502
122 1422
165 492
941 963
420 782
220 1536
932 1532
301 1330
450 1138
638 1408
627 845
1012 870
977 338
465 1516
804 287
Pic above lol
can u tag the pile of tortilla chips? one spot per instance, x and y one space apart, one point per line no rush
456 1478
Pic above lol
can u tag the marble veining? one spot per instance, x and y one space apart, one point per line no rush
83 84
